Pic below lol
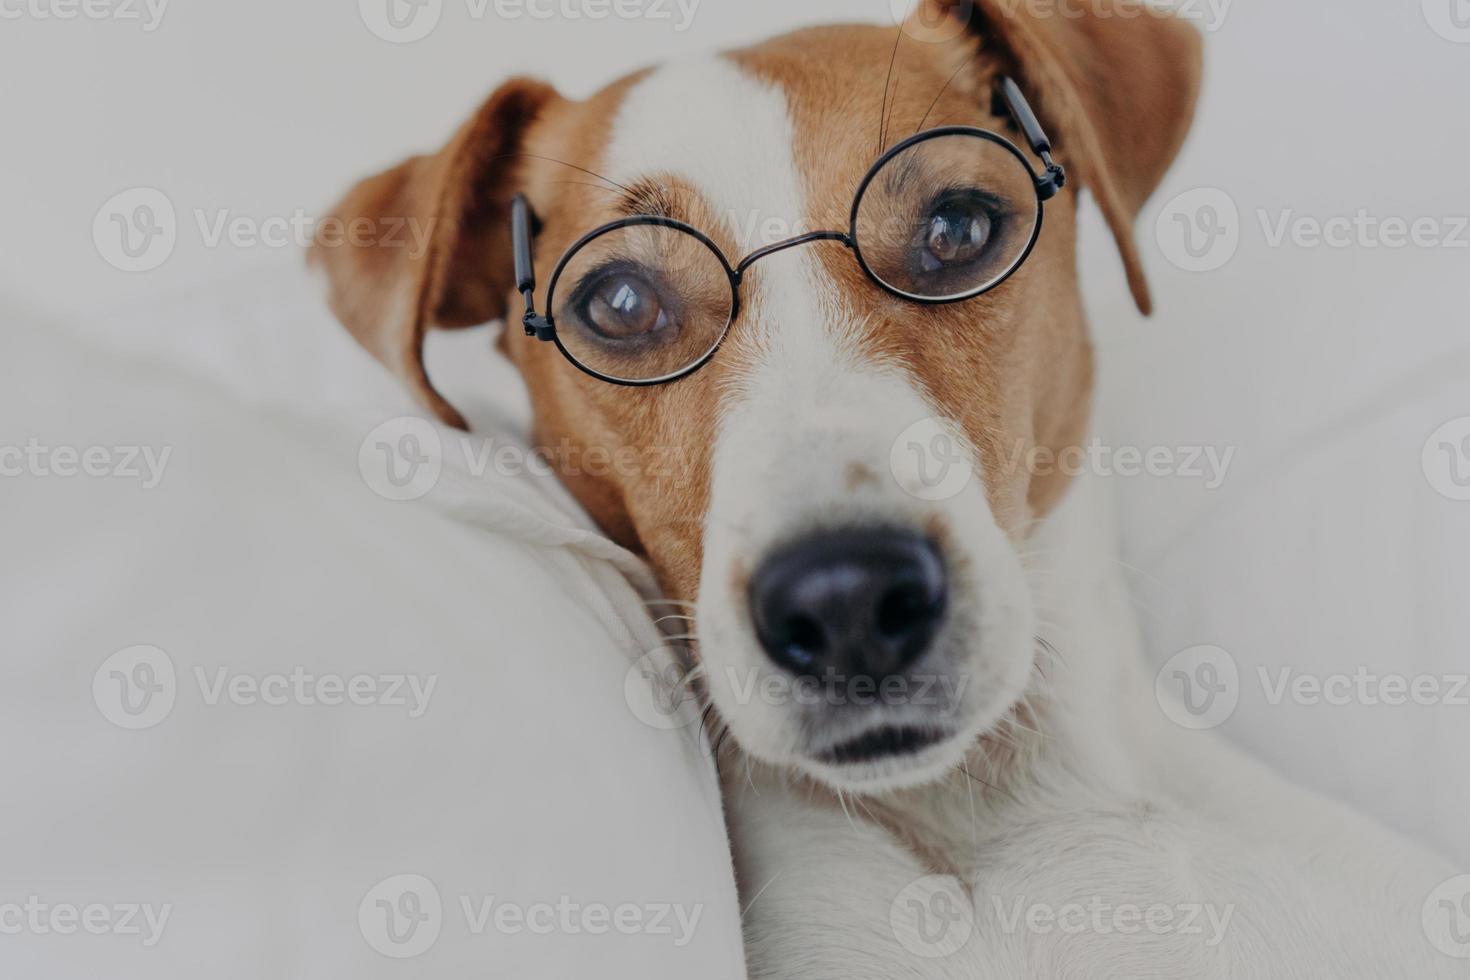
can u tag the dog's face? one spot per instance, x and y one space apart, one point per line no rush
837 490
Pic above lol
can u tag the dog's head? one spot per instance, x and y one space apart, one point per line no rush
862 611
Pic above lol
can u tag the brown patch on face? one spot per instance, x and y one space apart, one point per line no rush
657 505
859 475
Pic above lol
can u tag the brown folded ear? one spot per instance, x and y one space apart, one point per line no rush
428 242
1116 87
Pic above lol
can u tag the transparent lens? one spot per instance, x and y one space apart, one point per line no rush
948 217
643 302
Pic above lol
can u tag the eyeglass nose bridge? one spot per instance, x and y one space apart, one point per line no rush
781 246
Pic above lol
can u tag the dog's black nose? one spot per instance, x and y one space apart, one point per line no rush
857 602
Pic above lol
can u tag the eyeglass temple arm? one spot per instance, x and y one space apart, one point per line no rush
520 228
1055 177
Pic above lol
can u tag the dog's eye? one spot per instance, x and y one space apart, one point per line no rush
955 233
623 306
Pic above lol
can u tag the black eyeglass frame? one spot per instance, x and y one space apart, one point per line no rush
543 327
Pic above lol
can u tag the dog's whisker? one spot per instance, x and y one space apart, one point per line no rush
986 783
883 113
952 77
563 163
759 894
1051 649
842 801
583 183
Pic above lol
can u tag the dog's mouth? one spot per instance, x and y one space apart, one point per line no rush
887 742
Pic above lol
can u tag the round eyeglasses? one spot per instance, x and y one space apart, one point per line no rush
944 216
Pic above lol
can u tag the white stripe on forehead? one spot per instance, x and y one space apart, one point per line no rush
724 132
728 135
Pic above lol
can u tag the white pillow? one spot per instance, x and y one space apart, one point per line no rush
521 787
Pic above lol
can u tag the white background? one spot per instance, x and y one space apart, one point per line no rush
1326 369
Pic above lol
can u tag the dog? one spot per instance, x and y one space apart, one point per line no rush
979 782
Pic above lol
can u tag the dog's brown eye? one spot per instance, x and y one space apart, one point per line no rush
955 234
623 306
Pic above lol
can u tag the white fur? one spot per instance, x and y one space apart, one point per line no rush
1107 802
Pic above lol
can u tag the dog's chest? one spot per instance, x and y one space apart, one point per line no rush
1110 891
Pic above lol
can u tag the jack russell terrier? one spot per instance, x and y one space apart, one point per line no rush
798 266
